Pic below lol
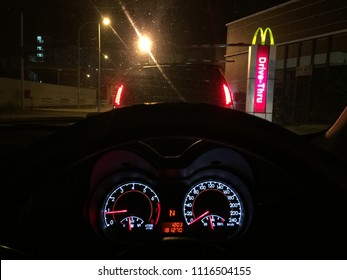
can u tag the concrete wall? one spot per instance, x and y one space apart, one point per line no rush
42 95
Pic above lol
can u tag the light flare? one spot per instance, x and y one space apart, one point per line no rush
139 35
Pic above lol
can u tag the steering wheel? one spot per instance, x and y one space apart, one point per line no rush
316 207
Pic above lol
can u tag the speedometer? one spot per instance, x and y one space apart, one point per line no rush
215 208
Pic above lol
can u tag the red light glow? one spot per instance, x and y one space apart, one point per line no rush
158 214
199 218
116 212
211 222
227 94
118 95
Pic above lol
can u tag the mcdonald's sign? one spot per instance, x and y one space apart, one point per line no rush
263 35
261 74
261 69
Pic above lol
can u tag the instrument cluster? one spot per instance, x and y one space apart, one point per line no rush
200 198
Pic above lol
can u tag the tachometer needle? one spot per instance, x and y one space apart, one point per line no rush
116 212
200 217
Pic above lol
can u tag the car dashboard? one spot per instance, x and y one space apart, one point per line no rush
184 195
95 190
198 200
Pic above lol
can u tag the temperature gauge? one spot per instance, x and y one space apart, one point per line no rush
132 223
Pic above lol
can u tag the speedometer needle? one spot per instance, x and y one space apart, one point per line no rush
117 212
200 217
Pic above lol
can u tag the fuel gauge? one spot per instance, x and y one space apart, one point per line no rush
213 222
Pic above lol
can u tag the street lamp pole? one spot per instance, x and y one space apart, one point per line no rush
106 21
79 62
99 67
78 68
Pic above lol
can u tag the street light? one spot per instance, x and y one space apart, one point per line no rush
106 21
145 44
79 62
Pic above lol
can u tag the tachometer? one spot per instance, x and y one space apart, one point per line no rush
215 208
130 209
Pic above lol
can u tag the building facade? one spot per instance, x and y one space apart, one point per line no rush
311 58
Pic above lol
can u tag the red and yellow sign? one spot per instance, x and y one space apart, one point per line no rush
261 68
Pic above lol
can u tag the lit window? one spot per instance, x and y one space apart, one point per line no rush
39 39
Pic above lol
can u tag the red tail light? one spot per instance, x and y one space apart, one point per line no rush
227 94
117 96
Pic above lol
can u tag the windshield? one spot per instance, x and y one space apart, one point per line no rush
173 83
70 58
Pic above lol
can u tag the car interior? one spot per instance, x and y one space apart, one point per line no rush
172 180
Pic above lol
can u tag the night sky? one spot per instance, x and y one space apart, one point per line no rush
170 23
195 21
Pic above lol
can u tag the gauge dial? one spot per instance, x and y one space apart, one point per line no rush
130 208
132 223
213 207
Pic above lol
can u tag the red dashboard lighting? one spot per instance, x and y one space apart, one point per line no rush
172 227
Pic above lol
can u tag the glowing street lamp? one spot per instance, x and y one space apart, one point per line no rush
145 44
106 21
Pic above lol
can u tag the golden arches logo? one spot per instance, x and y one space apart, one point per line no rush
263 35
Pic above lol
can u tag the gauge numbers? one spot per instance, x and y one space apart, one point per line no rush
213 206
131 207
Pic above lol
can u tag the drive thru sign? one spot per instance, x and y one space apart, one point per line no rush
261 78
260 75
